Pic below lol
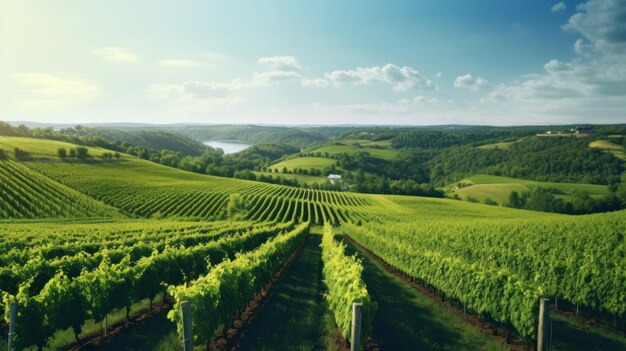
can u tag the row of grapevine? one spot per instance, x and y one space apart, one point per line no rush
18 243
342 277
161 196
66 300
27 194
502 269
39 269
218 297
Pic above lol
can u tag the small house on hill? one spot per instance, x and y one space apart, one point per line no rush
332 178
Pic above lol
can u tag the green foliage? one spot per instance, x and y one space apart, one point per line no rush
219 296
342 277
237 206
296 137
81 152
62 153
564 159
115 278
501 269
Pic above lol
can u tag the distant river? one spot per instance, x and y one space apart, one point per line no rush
229 147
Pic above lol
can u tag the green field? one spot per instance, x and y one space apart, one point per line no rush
498 188
307 163
385 154
616 150
365 143
99 236
501 145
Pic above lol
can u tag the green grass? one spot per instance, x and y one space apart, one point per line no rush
408 320
615 149
571 335
304 163
498 188
501 145
497 146
365 142
156 334
433 209
42 148
385 154
293 318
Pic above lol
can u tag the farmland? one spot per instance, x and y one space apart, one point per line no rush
109 238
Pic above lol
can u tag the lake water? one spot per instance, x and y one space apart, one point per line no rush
229 147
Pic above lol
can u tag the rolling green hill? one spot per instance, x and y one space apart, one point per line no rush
144 189
497 188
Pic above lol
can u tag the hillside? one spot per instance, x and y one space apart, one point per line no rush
497 188
154 139
28 194
145 189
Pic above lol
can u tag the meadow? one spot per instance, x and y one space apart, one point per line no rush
497 188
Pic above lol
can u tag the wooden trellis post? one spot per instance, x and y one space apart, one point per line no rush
355 337
187 330
12 321
544 327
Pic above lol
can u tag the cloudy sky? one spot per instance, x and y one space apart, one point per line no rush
424 62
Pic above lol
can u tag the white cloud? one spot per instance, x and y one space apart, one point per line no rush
467 81
591 85
419 100
401 78
44 90
558 7
280 63
601 22
114 53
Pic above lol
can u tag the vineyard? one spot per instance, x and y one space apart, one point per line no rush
84 241
27 194
501 270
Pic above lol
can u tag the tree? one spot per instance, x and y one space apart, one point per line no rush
19 153
72 153
82 152
62 153
514 200
3 155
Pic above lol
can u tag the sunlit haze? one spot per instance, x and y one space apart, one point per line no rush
319 62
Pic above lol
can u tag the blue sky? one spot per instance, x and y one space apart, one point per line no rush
323 62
